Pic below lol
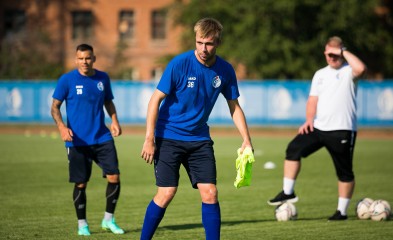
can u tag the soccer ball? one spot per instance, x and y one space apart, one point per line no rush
285 212
380 210
363 208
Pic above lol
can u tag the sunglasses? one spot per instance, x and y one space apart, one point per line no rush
331 55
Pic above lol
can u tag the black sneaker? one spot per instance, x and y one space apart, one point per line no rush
337 216
282 198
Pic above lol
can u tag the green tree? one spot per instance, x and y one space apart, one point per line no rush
119 69
33 52
29 57
284 39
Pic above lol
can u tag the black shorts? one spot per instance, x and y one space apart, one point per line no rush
340 144
80 160
197 157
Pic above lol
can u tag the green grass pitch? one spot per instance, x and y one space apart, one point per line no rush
36 197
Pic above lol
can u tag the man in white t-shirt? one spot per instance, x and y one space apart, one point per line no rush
330 122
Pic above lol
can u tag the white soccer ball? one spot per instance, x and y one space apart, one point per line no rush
380 210
285 212
363 208
269 165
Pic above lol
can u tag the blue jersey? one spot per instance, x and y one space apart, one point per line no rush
84 97
192 90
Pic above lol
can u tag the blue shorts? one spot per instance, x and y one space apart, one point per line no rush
340 144
80 160
197 157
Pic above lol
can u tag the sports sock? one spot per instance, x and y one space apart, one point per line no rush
153 217
211 220
343 204
79 197
82 223
288 185
112 195
108 216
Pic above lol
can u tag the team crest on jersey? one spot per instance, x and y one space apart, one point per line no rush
216 82
100 86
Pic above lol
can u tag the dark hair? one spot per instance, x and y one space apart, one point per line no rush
84 47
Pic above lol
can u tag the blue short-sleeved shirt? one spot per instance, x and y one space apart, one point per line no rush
84 97
192 90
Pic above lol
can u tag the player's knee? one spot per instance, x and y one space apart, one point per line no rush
115 178
168 194
164 196
81 185
209 195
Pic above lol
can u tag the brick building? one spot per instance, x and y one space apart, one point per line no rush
129 36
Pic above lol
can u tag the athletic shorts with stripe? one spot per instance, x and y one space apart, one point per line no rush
81 158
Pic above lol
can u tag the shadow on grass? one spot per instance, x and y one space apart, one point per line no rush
223 223
231 223
312 219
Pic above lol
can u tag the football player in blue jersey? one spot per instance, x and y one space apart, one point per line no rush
177 132
86 91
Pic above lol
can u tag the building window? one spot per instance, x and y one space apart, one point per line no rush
126 25
158 24
82 25
14 22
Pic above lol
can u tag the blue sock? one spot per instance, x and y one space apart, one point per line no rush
153 217
211 220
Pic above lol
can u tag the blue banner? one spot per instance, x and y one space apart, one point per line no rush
265 103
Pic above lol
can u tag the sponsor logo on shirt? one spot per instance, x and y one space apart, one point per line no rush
100 86
216 82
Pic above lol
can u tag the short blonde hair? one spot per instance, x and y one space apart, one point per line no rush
207 27
335 42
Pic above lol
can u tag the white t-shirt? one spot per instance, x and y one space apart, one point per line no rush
336 92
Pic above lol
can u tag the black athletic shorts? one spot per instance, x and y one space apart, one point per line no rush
197 157
80 160
340 144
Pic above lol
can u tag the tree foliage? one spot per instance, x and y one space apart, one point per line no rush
284 39
31 53
29 57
